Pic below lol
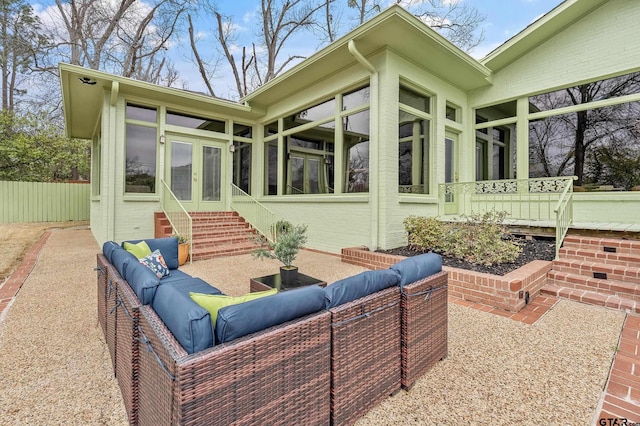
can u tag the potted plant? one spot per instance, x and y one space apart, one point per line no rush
183 249
288 240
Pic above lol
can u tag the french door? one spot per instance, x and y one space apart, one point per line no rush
194 172
306 174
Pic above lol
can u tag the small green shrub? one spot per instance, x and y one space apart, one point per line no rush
481 238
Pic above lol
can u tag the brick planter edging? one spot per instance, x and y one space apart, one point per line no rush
505 292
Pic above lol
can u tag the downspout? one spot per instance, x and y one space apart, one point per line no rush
111 204
374 198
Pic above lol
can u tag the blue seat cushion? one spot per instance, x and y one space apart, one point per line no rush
174 275
142 280
120 258
189 322
416 268
108 248
249 317
168 247
357 286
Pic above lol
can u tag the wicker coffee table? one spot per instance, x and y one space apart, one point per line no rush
273 281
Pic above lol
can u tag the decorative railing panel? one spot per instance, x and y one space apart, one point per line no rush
259 216
536 199
180 220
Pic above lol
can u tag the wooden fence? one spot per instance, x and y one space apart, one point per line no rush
43 202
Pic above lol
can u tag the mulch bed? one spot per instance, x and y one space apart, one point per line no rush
538 248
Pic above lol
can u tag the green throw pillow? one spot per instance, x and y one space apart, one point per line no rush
139 250
214 302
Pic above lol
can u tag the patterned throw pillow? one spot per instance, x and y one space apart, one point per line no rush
156 263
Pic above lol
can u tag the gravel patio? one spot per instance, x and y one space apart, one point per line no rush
55 366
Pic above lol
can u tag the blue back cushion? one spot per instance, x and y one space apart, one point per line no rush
108 248
168 247
120 258
416 268
357 286
189 323
249 317
142 280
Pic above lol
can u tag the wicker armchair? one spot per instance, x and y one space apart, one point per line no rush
365 354
424 326
279 376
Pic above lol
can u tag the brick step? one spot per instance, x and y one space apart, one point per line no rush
592 298
214 233
217 225
222 240
214 214
605 287
590 255
607 245
223 250
598 270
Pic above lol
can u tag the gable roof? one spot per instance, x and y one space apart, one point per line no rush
395 28
539 31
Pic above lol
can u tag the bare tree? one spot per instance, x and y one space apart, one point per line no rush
261 61
125 37
20 38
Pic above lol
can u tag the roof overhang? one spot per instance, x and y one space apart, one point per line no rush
394 28
539 31
83 92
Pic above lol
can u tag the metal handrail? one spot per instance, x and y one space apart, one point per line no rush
260 217
180 220
564 213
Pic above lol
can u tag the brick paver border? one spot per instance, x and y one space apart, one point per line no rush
12 285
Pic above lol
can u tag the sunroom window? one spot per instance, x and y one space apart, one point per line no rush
141 149
414 123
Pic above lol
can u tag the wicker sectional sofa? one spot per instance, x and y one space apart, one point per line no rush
308 356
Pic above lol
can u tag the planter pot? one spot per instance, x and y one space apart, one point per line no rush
183 253
288 274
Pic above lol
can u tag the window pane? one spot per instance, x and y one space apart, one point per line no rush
355 98
413 153
356 141
480 160
297 175
608 138
300 141
136 112
242 165
358 169
499 162
272 169
193 122
314 175
497 112
318 112
141 159
242 130
271 129
181 169
450 113
604 89
211 173
415 100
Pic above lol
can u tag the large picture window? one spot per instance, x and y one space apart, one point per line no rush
309 144
141 149
598 142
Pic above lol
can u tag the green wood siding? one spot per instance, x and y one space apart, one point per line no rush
43 202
